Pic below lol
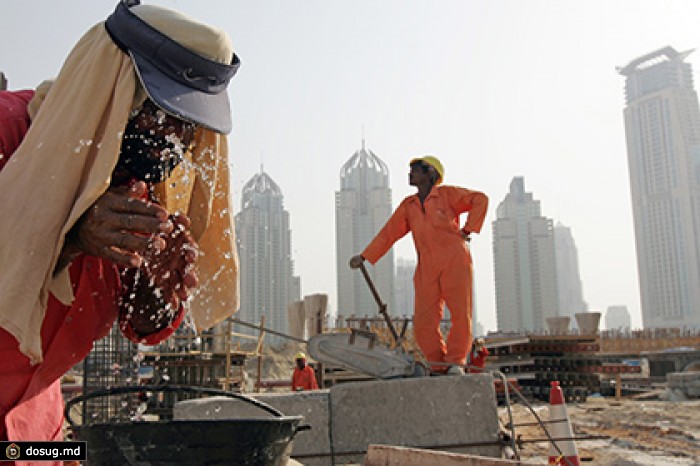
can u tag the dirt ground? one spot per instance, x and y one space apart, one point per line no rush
638 432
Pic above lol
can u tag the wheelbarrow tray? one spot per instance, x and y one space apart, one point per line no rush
264 441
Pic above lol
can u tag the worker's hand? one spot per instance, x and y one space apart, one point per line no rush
356 261
143 306
172 268
121 227
153 294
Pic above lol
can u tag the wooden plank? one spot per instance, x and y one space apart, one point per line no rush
386 455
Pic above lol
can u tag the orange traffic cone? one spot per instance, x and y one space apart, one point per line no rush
560 428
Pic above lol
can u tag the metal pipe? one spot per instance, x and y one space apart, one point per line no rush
503 378
561 439
268 330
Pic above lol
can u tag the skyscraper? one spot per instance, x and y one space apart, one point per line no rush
524 262
362 207
617 318
568 277
662 126
263 236
405 293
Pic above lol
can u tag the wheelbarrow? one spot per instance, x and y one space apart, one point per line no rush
264 441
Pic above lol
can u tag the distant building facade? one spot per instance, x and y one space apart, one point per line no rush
524 262
569 284
662 126
405 293
263 238
362 207
617 318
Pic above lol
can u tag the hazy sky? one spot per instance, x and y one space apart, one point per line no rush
494 88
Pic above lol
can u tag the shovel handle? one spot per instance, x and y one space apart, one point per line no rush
382 305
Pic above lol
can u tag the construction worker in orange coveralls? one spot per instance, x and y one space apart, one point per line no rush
304 377
444 271
477 356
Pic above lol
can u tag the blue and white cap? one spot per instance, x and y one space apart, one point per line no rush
184 65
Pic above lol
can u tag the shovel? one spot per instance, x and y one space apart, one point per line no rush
382 307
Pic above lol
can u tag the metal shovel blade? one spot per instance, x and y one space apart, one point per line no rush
361 355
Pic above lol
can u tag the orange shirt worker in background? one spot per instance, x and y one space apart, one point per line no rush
304 377
478 355
444 271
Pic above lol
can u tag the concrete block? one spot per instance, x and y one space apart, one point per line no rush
558 325
683 380
588 322
296 318
677 395
313 405
384 455
445 412
315 309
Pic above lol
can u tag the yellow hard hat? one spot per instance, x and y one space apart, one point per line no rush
300 355
433 162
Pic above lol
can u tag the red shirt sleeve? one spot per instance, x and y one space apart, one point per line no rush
14 121
154 338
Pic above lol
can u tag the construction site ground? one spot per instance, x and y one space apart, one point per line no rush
639 432
649 432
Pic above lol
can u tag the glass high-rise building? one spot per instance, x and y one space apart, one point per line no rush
263 237
524 262
569 284
662 126
362 207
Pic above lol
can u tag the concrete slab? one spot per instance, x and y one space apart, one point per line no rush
437 412
312 447
385 455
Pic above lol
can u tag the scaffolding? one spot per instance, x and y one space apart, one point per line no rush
209 359
212 358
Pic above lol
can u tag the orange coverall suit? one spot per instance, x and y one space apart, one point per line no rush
304 379
444 271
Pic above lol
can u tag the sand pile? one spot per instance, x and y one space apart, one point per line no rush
277 361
